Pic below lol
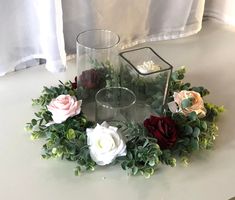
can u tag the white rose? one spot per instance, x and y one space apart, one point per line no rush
105 143
63 107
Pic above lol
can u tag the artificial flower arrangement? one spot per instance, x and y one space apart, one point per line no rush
188 125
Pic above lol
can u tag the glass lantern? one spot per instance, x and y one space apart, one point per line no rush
97 63
147 74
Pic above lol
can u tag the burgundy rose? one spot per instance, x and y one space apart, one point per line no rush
75 83
90 79
163 129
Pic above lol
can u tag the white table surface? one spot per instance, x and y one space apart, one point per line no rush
210 57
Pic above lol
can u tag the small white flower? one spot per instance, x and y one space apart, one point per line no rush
63 107
105 143
148 67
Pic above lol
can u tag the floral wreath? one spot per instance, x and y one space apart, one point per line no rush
188 125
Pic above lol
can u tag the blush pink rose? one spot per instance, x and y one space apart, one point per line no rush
63 107
197 102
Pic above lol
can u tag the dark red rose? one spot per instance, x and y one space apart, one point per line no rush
90 79
75 83
163 129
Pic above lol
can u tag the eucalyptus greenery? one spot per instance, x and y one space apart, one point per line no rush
68 140
150 88
195 133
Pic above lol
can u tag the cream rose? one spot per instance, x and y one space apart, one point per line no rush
63 107
105 143
196 106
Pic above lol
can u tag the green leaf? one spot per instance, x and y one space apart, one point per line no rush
146 142
172 162
124 165
36 135
186 103
150 171
90 168
174 76
34 122
37 115
188 129
146 175
186 86
130 164
184 160
134 170
179 117
82 137
152 162
196 132
197 89
46 156
186 141
129 155
28 127
194 144
77 171
54 150
71 134
193 116
203 125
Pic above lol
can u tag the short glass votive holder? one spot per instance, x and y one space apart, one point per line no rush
114 105
147 74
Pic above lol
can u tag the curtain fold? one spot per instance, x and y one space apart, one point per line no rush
31 30
46 29
223 11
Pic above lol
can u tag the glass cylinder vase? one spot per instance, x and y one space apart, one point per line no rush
147 74
114 105
97 63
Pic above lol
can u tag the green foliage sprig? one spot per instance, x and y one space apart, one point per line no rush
195 133
66 140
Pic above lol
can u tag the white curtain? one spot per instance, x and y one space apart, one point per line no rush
221 10
33 29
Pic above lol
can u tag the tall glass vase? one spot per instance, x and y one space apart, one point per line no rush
97 63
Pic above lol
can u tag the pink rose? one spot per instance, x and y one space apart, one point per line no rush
63 107
197 104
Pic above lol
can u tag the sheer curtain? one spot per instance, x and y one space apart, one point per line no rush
29 30
223 11
48 28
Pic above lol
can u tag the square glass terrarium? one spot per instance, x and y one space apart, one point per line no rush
147 74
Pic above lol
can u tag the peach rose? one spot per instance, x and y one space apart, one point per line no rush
63 107
196 106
